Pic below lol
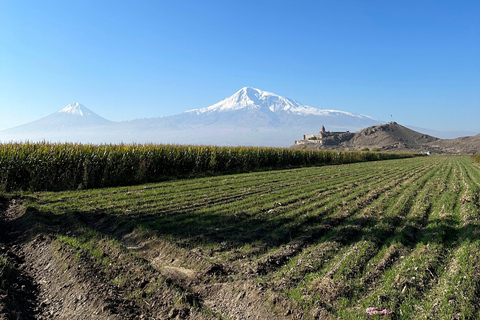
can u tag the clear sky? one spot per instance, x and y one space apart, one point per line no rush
418 61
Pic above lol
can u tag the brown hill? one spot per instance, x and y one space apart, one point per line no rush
462 145
390 137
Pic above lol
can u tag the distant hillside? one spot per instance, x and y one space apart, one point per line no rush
391 137
463 145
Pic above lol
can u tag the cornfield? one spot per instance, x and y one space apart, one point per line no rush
66 166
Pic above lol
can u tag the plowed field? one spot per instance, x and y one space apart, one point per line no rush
310 243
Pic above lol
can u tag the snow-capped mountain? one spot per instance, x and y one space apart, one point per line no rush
78 109
256 110
255 99
251 99
75 123
74 116
248 117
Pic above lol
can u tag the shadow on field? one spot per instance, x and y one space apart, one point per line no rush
191 229
265 230
18 291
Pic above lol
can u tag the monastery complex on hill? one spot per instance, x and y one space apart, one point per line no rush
325 137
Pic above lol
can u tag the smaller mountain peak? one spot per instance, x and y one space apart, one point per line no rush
75 108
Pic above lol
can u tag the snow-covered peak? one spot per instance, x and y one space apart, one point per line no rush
77 109
249 98
77 112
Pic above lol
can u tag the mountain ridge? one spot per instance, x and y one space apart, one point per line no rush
391 137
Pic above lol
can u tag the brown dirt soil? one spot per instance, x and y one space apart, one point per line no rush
145 278
50 282
47 283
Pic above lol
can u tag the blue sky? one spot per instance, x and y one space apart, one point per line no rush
418 61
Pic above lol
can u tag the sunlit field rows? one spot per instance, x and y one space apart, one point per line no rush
56 167
401 234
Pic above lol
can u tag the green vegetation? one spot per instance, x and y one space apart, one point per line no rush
5 268
476 157
56 167
399 234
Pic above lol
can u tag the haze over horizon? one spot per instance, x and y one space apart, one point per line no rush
414 63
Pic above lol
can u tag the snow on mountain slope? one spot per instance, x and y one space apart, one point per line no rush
249 98
254 109
77 109
73 117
